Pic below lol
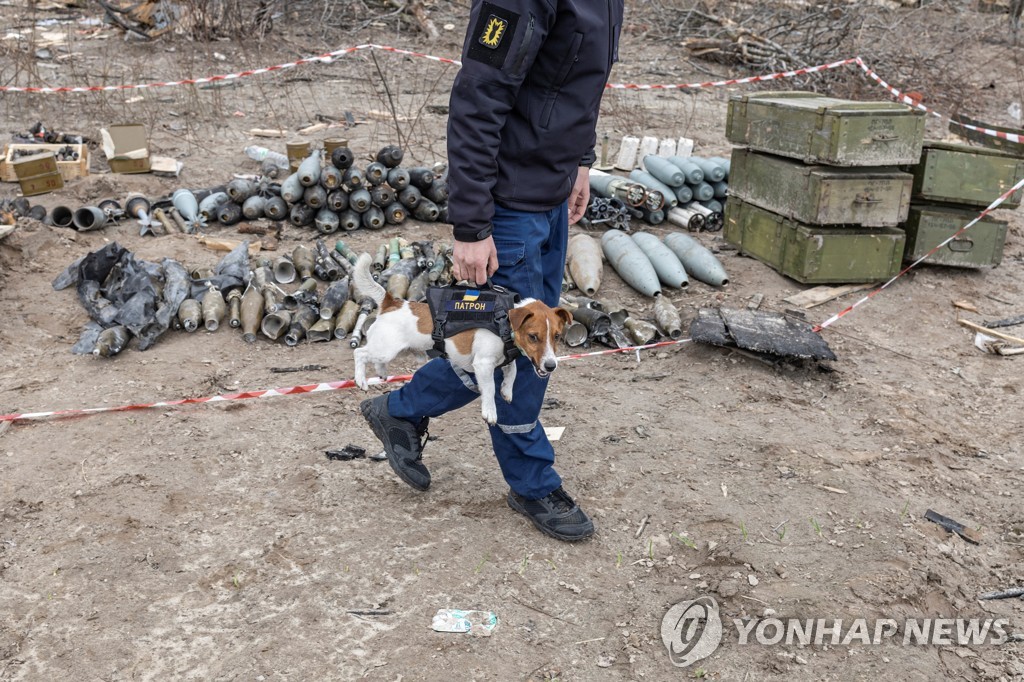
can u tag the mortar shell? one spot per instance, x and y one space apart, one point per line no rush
410 197
214 309
349 220
337 200
585 263
309 170
276 208
390 156
395 214
334 298
240 189
234 299
641 331
301 215
437 192
189 314
292 189
342 158
630 262
254 207
251 313
330 178
375 173
382 195
398 179
326 221
420 177
275 324
89 218
373 218
426 210
346 319
667 317
315 197
352 179
302 259
111 341
699 262
229 213
62 216
360 200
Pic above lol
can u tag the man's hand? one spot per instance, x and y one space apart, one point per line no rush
474 261
580 195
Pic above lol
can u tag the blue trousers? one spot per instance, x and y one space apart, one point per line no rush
531 261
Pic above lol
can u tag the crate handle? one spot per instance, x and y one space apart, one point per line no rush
881 137
866 199
961 245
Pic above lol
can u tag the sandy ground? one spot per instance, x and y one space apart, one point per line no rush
218 542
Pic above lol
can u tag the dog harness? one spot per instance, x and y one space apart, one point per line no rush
457 308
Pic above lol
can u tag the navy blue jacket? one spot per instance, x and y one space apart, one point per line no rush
524 105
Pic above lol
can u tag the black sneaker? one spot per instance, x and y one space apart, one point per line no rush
556 515
403 441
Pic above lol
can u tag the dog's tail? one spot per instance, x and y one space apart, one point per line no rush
363 282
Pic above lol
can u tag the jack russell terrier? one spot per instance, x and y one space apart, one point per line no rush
406 326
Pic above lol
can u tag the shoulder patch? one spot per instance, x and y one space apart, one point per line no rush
492 36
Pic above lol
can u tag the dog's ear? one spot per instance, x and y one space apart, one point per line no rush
517 316
564 315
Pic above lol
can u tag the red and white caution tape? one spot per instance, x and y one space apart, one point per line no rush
735 81
291 390
991 207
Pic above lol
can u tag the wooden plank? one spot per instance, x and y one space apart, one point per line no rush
990 332
823 294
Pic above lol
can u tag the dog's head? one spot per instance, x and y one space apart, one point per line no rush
537 329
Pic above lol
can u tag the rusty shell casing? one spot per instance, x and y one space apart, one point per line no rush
326 221
382 195
394 251
214 309
398 285
229 213
334 298
349 220
426 210
315 196
309 170
596 321
586 263
410 197
641 331
284 269
346 319
421 178
251 313
418 287
254 207
137 206
356 335
89 218
324 267
373 218
189 314
342 158
262 274
667 317
322 330
359 200
406 250
302 259
240 189
380 259
390 156
629 261
666 264
395 214
330 178
337 200
398 179
375 173
200 273
698 261
274 325
301 215
346 252
234 299
62 216
306 293
437 192
276 209
303 318
438 268
352 179
292 189
170 227
111 341
567 281
270 301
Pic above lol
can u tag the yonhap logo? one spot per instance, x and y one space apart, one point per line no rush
691 631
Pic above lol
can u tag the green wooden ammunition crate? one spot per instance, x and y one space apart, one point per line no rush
928 225
961 174
826 130
812 254
820 195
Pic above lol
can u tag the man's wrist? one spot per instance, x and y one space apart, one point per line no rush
472 234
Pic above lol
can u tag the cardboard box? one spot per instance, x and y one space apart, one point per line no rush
127 148
38 174
69 170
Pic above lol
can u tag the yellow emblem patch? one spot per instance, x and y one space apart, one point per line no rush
493 32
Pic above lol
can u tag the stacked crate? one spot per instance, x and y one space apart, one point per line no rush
952 183
816 189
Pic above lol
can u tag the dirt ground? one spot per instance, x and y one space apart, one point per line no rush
218 542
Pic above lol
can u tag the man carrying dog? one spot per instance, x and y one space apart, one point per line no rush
521 137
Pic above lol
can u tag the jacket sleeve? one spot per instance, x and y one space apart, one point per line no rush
483 94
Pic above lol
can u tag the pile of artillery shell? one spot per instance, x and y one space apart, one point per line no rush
692 186
333 194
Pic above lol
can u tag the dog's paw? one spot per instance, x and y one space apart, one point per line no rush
490 414
506 393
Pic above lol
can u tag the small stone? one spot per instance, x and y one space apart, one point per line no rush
605 660
728 588
695 576
801 660
752 579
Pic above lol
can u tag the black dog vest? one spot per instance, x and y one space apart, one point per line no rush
458 308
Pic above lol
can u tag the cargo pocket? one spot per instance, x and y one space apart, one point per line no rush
510 253
563 73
